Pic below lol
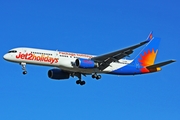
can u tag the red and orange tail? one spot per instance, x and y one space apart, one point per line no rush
148 55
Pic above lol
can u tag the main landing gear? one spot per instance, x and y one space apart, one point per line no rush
80 81
23 68
96 76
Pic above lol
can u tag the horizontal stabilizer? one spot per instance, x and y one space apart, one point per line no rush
160 64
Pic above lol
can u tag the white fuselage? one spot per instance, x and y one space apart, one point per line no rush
60 59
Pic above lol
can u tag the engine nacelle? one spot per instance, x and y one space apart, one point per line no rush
58 74
85 63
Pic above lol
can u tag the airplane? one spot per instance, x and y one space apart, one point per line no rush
69 64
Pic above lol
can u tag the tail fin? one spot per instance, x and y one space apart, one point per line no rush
148 55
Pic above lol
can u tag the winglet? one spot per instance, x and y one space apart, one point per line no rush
150 36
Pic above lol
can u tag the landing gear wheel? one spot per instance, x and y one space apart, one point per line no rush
24 72
94 75
78 81
82 82
98 77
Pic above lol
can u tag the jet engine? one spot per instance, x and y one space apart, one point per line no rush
58 74
85 63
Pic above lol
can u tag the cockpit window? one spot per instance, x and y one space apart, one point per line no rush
12 51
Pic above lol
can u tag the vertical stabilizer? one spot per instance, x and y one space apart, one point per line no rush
148 55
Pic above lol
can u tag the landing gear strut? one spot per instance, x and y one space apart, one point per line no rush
23 68
80 81
96 76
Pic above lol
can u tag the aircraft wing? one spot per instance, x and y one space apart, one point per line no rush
106 59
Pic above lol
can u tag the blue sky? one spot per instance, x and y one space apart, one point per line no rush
94 27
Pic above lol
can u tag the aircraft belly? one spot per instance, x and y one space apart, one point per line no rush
81 70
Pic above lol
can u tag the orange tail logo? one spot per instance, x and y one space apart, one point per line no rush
148 58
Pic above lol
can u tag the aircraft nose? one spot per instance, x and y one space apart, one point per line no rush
5 56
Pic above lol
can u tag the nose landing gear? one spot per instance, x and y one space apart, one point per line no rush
24 72
23 68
